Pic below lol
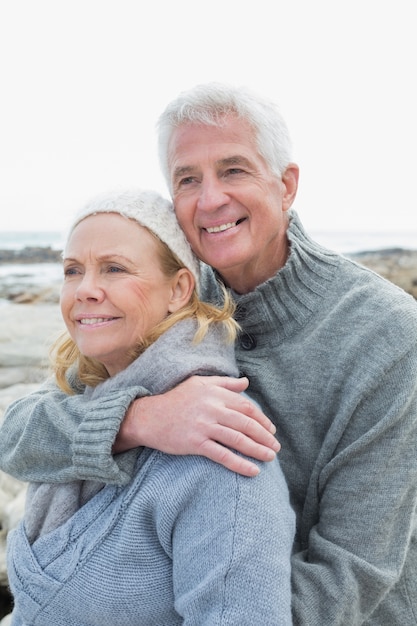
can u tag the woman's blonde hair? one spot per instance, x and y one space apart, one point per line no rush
65 354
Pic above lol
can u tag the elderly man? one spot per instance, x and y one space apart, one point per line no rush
329 348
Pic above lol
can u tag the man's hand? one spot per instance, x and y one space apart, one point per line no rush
204 415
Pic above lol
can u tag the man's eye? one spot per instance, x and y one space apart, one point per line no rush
233 170
186 181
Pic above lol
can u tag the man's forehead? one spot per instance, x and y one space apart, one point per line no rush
233 143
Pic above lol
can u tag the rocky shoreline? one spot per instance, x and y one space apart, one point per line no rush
397 265
31 254
31 320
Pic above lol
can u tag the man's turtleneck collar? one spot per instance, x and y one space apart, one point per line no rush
288 299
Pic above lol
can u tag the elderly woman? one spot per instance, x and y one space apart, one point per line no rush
185 541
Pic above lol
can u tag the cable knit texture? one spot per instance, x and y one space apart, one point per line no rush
185 542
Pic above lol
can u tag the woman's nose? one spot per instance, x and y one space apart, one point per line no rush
89 288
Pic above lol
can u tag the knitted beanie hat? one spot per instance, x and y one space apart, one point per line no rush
149 209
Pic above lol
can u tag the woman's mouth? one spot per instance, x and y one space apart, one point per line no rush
94 320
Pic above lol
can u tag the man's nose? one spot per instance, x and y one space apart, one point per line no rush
212 195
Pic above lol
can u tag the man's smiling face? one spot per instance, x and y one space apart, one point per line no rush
229 204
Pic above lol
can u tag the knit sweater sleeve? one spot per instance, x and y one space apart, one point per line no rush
230 540
77 436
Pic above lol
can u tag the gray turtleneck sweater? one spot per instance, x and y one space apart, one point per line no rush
330 349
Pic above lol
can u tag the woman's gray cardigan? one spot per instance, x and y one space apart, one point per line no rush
184 542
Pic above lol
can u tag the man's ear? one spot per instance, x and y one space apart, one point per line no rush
182 288
290 182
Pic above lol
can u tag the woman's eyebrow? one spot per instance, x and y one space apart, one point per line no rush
112 256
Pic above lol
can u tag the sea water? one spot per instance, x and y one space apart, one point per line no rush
21 274
17 240
344 242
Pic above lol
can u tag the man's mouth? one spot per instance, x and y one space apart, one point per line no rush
222 227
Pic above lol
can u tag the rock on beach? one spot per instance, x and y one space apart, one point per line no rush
31 320
396 265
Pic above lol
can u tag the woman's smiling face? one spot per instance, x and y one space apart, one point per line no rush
114 290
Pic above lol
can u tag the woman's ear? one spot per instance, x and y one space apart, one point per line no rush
182 288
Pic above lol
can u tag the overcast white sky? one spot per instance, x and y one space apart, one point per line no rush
83 83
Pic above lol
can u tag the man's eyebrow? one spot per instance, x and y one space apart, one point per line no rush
183 170
236 159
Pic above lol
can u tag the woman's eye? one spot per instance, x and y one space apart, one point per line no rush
115 269
70 271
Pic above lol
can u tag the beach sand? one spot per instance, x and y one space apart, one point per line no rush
26 333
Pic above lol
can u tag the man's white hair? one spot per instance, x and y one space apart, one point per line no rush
208 104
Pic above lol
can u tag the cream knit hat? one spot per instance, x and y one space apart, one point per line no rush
149 209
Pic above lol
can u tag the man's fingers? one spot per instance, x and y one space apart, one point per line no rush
246 445
236 428
226 441
244 405
254 412
256 431
241 402
235 463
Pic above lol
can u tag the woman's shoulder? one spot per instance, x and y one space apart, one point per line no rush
192 475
